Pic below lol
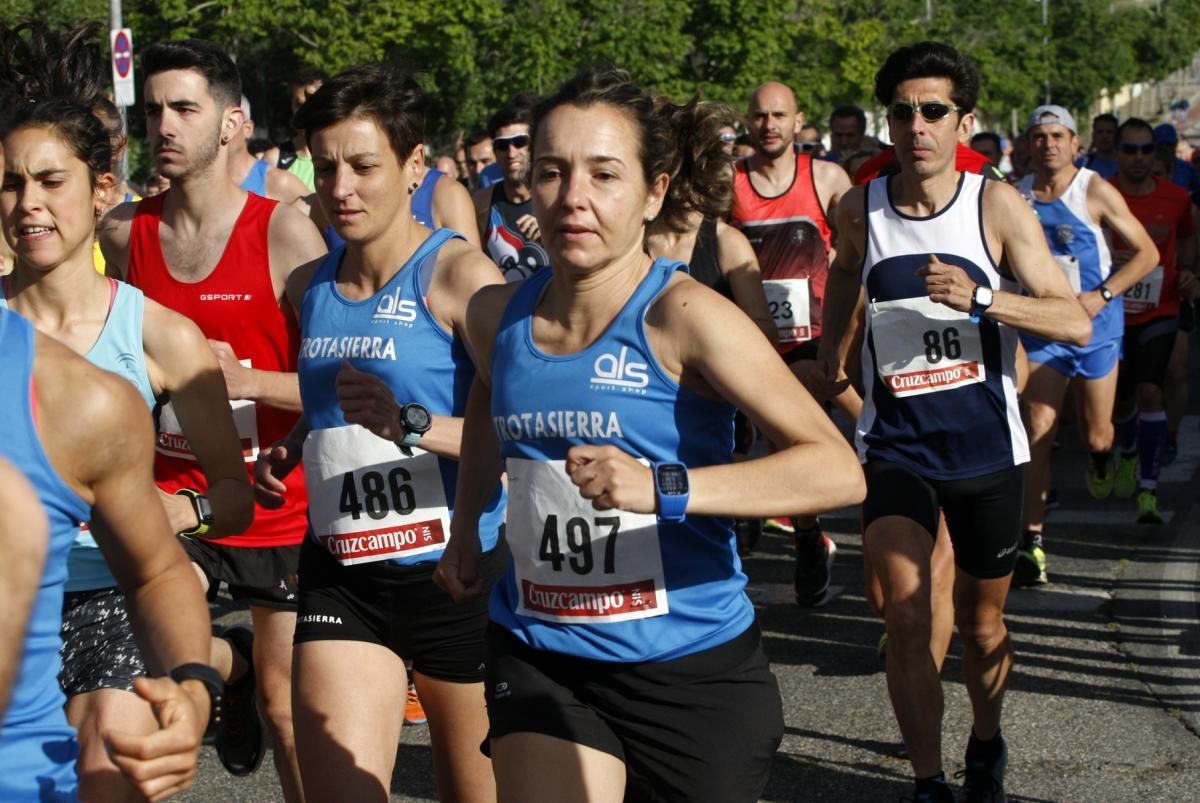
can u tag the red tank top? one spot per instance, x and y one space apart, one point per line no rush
235 303
1167 215
791 238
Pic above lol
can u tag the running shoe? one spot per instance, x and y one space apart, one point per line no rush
931 793
1030 569
983 777
1147 507
241 738
1126 480
814 566
1100 479
414 712
779 524
1170 451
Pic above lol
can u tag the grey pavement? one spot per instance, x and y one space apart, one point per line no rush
1103 703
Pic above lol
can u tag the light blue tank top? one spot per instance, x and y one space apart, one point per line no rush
37 746
256 179
608 586
368 501
119 350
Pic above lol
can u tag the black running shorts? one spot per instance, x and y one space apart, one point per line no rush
802 351
983 514
1146 355
264 577
400 608
98 650
699 729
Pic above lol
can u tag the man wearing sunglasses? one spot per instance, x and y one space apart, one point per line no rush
505 210
783 202
940 253
1152 308
1073 203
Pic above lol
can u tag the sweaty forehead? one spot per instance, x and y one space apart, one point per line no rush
924 90
773 98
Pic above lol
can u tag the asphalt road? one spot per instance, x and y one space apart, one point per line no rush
1103 703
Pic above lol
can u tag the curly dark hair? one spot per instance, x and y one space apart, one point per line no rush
703 182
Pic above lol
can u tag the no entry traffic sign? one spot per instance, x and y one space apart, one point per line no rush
121 40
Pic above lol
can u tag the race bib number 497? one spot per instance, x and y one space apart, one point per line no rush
922 346
368 502
576 564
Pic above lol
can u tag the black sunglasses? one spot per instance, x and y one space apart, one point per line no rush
517 141
1145 150
806 147
902 111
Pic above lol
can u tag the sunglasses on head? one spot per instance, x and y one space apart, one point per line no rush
729 136
903 111
1145 150
517 141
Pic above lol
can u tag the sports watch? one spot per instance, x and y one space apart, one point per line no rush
415 420
203 511
1105 293
672 488
981 299
211 680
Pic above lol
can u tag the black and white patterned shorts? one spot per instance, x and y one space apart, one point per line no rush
98 650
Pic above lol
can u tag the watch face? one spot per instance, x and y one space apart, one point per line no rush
983 296
672 480
416 418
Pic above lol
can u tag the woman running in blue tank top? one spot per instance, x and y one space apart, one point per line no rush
384 377
624 660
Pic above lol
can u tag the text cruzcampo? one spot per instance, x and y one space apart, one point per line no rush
558 424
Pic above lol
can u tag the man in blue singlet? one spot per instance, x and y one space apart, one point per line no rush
258 175
504 211
1072 204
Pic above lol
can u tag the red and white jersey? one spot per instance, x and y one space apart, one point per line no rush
236 303
791 238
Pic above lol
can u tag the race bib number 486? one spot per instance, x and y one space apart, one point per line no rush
368 502
576 564
922 346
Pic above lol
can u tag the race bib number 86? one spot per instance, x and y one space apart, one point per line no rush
576 564
922 346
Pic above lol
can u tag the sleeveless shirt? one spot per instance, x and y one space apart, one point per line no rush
236 303
256 180
367 500
940 392
704 265
607 585
37 745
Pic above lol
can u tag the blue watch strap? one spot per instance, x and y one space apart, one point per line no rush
673 495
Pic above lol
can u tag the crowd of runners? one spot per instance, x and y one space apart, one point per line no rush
490 433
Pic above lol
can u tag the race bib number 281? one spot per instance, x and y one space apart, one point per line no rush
576 564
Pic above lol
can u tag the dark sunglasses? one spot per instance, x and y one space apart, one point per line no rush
518 141
901 111
1145 150
806 147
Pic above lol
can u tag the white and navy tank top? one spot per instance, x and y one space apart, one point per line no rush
367 500
119 349
1078 245
608 585
940 391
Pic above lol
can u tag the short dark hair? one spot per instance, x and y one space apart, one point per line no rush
929 60
517 111
382 93
206 58
1107 117
308 75
476 138
1134 123
990 136
850 110
813 126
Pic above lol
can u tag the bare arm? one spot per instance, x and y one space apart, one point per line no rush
24 535
832 184
454 209
1015 238
1107 205
842 291
186 368
736 258
284 186
482 202
113 233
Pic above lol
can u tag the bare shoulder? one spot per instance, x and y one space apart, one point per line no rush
169 336
852 209
460 260
299 280
287 219
688 306
1001 202
113 232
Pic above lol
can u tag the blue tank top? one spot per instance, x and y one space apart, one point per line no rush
1078 244
367 500
422 208
256 180
939 392
37 746
608 585
119 350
